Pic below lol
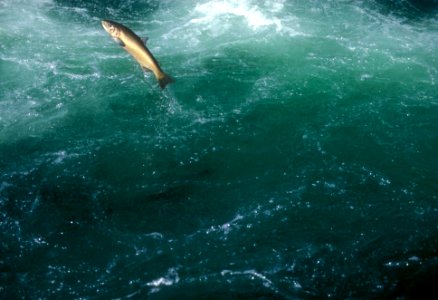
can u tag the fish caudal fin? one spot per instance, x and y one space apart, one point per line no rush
164 80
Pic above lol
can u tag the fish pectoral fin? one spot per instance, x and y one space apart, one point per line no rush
119 41
146 69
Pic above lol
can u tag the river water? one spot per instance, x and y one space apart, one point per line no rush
294 157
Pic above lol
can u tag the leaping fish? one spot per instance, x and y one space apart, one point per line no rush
135 46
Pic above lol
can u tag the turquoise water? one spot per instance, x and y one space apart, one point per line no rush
294 157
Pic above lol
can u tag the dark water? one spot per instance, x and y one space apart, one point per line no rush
295 156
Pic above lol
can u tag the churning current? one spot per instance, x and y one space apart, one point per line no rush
293 157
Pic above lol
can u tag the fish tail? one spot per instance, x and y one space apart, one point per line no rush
164 80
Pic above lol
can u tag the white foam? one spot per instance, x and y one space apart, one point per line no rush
216 11
252 274
215 23
169 279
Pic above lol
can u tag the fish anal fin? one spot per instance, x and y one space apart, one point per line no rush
146 69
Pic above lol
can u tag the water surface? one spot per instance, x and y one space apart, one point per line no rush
294 157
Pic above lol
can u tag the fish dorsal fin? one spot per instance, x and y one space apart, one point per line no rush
145 39
119 41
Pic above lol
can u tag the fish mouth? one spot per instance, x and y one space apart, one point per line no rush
105 25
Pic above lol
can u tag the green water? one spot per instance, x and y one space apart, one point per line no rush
294 157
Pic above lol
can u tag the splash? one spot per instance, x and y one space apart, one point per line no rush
217 13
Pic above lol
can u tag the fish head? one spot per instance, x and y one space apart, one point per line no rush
111 27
